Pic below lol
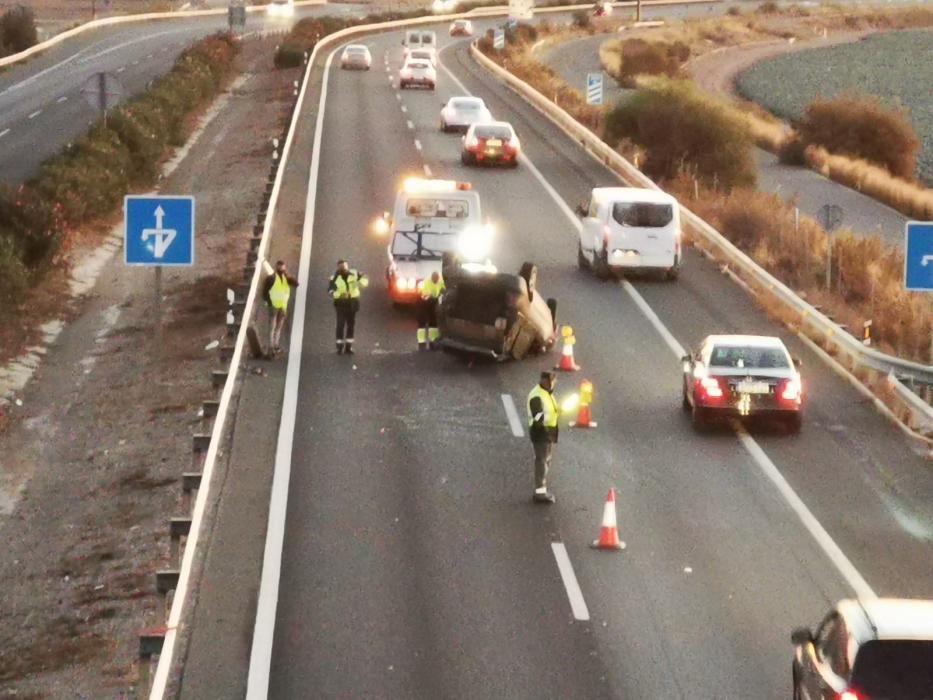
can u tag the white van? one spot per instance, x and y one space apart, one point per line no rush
418 39
629 228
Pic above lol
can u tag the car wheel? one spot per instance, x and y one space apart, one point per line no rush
529 271
552 305
795 422
443 127
685 400
601 267
582 262
698 418
465 158
514 163
673 272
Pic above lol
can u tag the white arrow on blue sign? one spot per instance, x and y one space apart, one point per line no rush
594 88
498 39
158 231
918 256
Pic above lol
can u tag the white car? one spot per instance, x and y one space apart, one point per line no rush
462 112
281 8
356 56
423 54
443 7
491 143
417 72
418 39
461 27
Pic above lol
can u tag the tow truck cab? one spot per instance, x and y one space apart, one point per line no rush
427 221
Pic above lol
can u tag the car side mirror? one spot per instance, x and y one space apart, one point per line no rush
801 636
686 359
798 363
581 210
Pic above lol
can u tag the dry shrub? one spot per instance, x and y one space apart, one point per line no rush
734 11
907 197
17 30
867 273
680 127
769 7
862 127
635 57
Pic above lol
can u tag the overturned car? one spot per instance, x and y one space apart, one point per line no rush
494 314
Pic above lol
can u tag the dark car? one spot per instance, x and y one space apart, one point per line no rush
880 649
740 376
494 314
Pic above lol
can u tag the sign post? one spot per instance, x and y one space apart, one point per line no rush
158 232
830 217
594 88
103 92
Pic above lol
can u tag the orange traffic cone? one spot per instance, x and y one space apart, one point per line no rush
566 363
609 533
584 415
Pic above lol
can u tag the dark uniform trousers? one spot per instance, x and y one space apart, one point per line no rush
346 317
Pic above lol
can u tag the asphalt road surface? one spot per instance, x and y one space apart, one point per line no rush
41 104
415 564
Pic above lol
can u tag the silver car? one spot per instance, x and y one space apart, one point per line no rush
356 57
459 113
741 376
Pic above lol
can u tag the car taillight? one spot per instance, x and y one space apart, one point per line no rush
790 390
511 146
850 695
711 387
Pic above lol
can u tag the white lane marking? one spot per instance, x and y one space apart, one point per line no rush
148 55
411 124
417 144
577 604
816 530
389 77
121 69
63 98
123 45
659 326
404 109
135 63
35 114
398 96
4 133
842 563
511 412
260 660
427 170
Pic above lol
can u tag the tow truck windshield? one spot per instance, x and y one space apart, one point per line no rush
434 208
422 245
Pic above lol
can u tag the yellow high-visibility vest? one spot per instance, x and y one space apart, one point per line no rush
548 403
280 292
349 288
431 289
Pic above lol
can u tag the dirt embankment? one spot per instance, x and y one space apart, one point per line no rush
91 462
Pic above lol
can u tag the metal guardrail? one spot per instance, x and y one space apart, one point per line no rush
810 320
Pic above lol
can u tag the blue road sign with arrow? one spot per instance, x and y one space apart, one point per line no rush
159 231
918 256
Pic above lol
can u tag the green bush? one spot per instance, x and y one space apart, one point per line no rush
682 129
289 55
17 30
862 127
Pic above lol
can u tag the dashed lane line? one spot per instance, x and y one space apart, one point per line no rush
35 114
577 603
417 144
427 170
511 413
63 98
4 133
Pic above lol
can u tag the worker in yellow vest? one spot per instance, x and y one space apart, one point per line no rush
543 414
345 287
431 291
277 290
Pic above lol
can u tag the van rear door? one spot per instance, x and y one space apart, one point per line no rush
643 234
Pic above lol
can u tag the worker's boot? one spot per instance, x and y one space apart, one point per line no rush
543 497
348 348
339 347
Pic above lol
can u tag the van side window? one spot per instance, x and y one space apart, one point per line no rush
642 214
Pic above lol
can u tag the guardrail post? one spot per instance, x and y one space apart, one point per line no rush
190 482
177 528
150 644
219 377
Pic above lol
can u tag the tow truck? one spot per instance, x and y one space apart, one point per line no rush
430 218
